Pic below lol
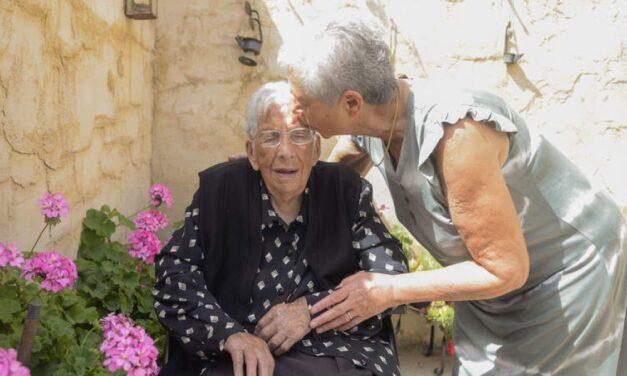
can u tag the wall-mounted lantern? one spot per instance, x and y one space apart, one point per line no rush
250 46
511 55
140 9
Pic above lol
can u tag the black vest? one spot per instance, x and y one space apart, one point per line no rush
230 228
230 224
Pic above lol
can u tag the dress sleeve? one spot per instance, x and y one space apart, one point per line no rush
482 107
183 303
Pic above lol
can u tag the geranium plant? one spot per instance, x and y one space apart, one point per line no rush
91 306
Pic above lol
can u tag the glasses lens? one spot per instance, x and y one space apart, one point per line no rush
300 136
269 139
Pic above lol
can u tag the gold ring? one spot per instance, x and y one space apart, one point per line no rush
349 316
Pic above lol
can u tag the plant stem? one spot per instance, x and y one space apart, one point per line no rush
30 253
140 210
87 335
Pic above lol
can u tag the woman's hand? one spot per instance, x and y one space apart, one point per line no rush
284 325
357 298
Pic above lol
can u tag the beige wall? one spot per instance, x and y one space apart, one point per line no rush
76 89
76 107
570 82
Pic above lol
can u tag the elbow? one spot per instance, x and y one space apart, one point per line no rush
514 278
519 280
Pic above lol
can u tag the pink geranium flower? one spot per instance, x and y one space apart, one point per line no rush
159 194
127 347
10 255
151 220
53 207
144 245
9 365
56 271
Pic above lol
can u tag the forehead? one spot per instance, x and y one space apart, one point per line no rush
276 118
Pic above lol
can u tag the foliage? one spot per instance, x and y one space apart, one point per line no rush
128 281
69 334
439 313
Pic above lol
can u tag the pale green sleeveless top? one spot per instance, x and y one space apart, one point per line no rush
569 317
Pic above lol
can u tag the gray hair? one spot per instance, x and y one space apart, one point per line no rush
263 99
346 53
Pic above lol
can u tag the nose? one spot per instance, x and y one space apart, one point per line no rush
286 148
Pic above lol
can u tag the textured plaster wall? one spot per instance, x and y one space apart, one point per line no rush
570 82
76 104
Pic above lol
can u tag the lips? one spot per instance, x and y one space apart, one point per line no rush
286 173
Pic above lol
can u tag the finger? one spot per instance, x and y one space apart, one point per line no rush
238 363
340 320
285 346
266 365
276 341
251 363
331 314
268 332
266 319
331 300
351 324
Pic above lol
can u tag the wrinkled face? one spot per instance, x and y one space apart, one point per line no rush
316 114
285 168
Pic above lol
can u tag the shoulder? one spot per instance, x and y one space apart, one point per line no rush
335 170
338 183
221 170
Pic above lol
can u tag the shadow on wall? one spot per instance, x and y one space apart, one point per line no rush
520 78
201 88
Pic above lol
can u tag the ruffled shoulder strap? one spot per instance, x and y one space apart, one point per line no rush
480 106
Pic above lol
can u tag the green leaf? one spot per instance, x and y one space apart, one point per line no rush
84 265
144 302
8 308
58 327
127 223
99 222
101 290
111 303
125 304
90 238
8 292
76 314
130 281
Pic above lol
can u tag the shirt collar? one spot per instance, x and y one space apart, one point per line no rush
269 216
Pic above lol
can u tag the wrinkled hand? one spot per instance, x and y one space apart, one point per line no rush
246 349
284 325
363 294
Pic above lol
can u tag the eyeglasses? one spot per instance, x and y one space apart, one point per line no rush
272 139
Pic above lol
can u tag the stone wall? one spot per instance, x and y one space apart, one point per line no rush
76 111
570 81
76 89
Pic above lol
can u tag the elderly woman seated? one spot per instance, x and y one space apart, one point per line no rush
264 239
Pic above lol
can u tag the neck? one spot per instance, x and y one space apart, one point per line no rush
286 206
378 120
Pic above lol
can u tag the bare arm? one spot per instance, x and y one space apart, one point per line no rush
468 161
346 152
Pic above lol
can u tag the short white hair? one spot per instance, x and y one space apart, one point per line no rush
340 54
263 99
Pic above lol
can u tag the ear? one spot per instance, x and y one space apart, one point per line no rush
316 149
251 155
352 102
